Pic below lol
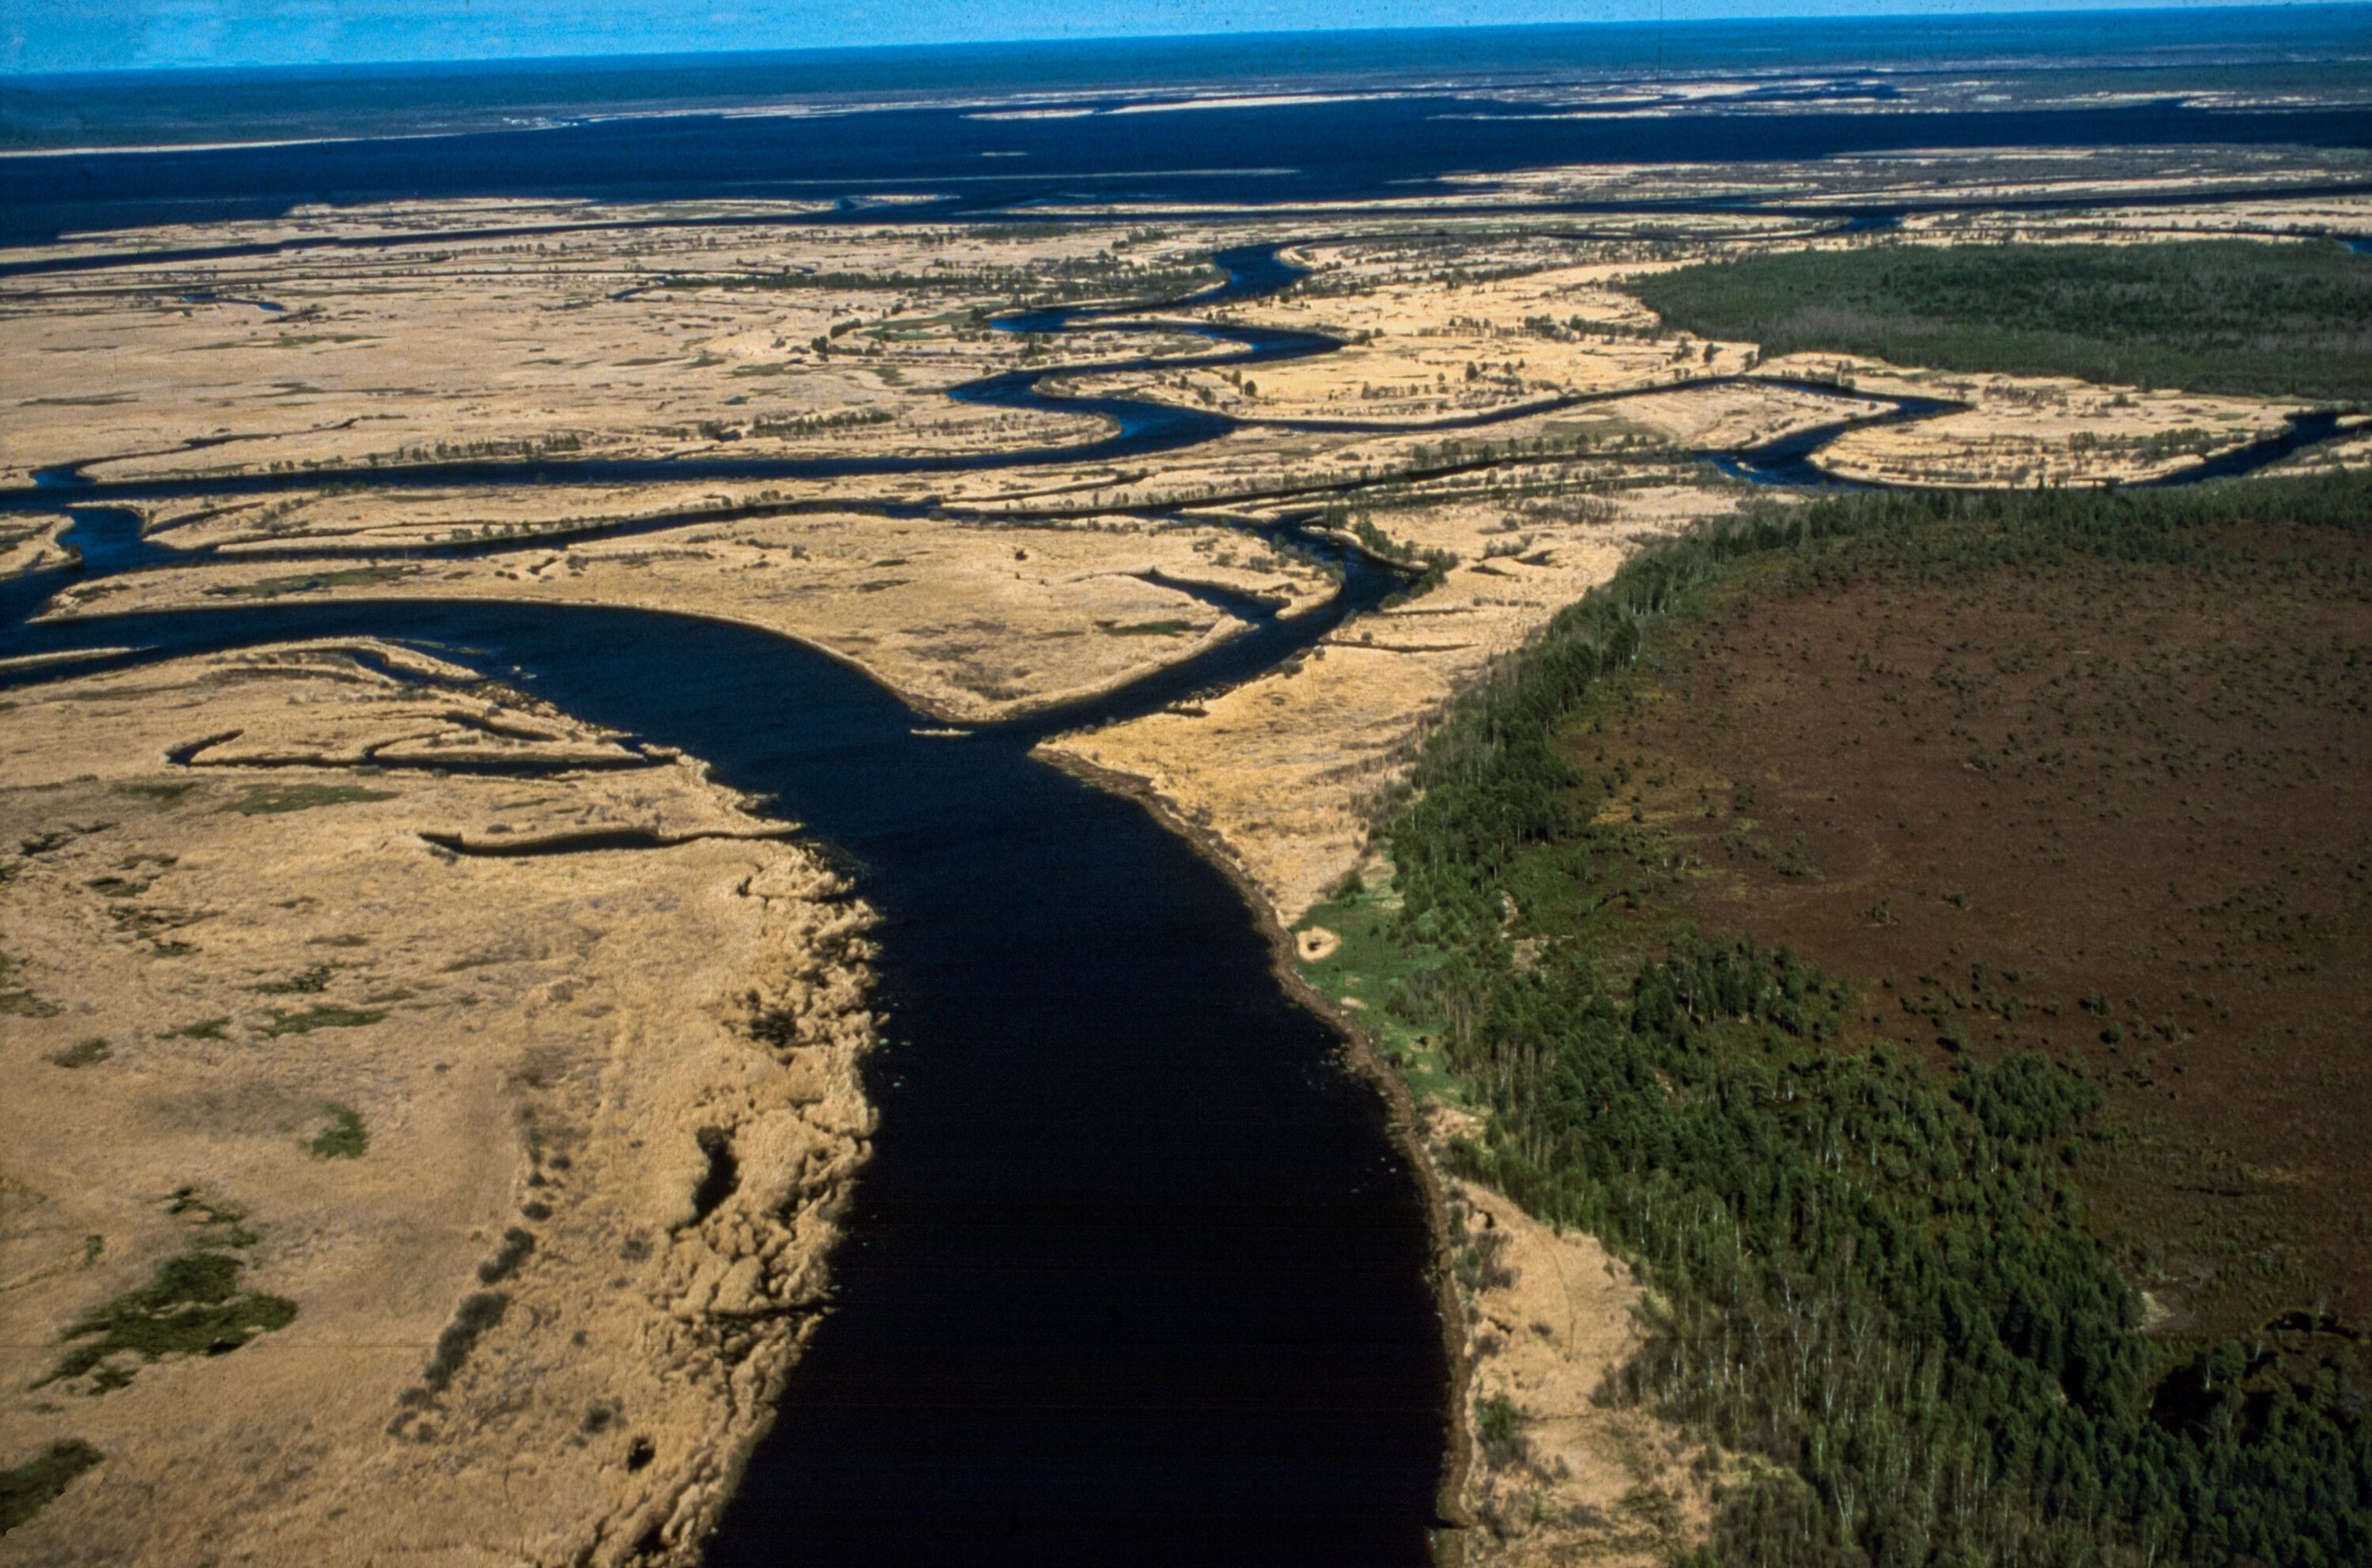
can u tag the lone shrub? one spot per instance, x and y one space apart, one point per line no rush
1497 1421
82 1056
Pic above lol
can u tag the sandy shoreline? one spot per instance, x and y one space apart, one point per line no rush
446 1127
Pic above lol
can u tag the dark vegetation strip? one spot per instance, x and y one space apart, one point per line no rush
32 1486
190 1306
2209 316
1876 1277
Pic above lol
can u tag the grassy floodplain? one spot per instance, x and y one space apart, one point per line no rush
2209 316
1899 1189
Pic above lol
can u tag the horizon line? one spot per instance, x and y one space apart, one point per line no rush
614 57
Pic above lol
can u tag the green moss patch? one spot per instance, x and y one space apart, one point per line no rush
33 1486
191 1305
287 1023
343 1139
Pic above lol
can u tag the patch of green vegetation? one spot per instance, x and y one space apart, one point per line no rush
190 1306
21 1004
1868 1273
1497 1419
306 982
1145 628
271 799
1371 966
204 1028
322 1017
34 1485
2210 316
313 582
343 1139
116 888
84 1054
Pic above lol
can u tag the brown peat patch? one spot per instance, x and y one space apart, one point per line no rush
2117 812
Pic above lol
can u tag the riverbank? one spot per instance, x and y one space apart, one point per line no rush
1601 845
371 1189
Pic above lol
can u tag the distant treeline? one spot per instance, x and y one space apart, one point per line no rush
1875 1277
2208 315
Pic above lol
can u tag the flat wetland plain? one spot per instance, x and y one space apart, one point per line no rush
1947 809
2108 810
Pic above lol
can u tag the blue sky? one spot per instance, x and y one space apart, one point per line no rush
63 35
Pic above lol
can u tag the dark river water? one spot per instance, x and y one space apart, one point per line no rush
1136 1273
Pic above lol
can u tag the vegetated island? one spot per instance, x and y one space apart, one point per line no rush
369 1193
1926 937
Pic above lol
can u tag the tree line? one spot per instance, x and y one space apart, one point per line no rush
1875 1278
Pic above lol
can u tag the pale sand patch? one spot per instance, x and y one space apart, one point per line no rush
541 1053
1554 1316
1316 944
29 544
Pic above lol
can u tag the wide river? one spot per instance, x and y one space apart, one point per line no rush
1136 1274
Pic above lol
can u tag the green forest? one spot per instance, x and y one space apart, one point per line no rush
1872 1275
2208 315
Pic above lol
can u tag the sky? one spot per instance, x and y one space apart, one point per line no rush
93 35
